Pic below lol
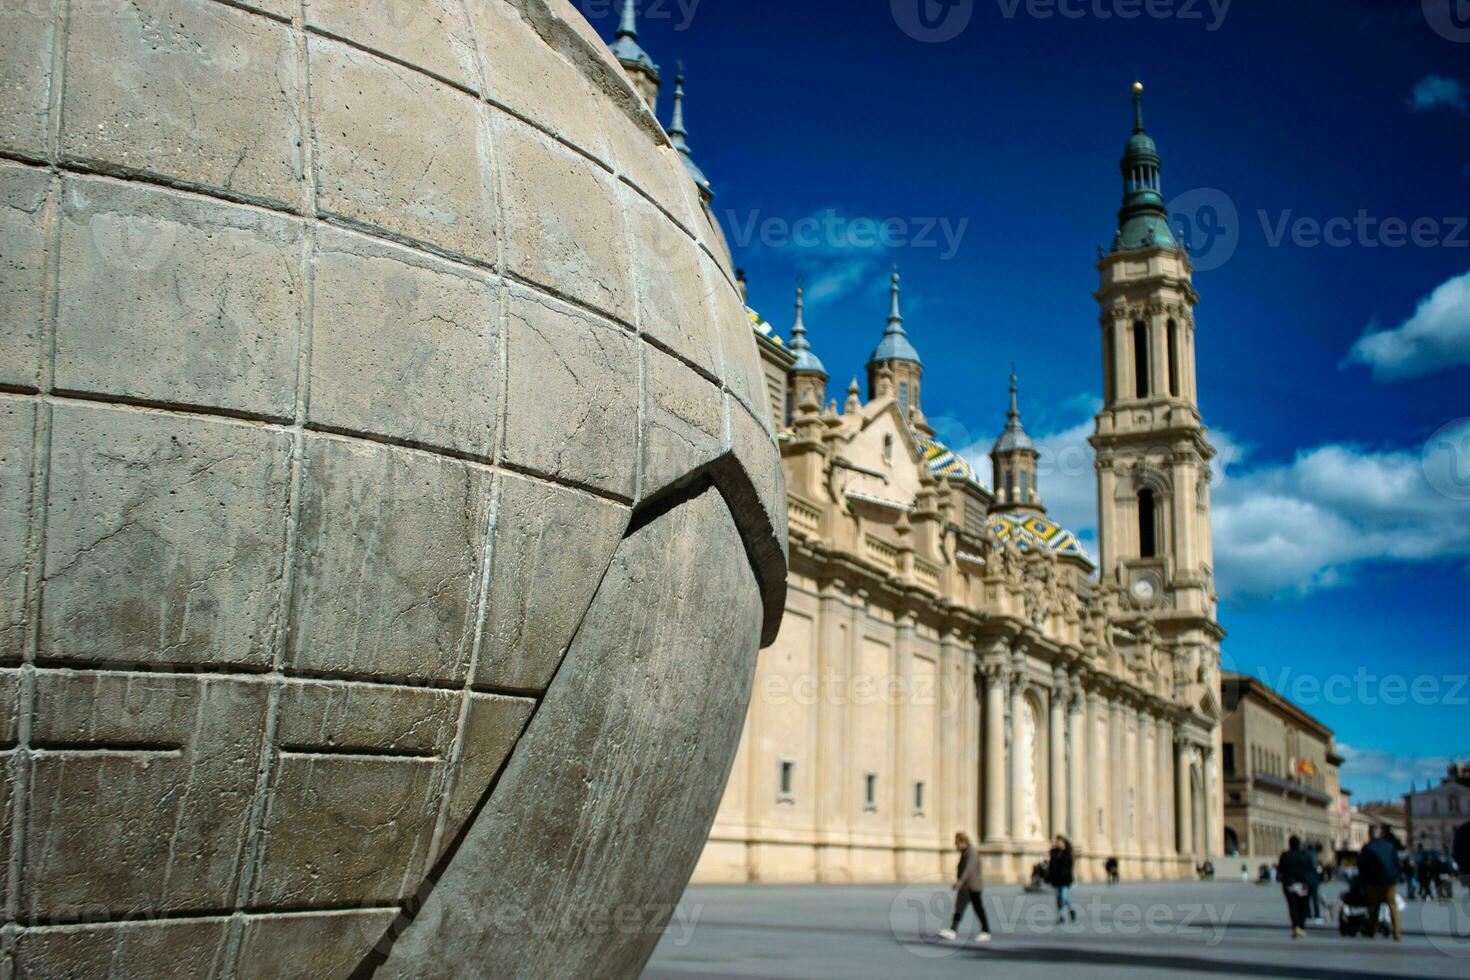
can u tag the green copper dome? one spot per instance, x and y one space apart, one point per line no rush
1144 220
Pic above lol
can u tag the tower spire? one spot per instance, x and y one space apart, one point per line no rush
641 70
629 27
1143 221
895 318
806 361
1013 460
679 136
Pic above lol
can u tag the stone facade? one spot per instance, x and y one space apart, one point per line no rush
1281 771
951 659
390 511
1434 813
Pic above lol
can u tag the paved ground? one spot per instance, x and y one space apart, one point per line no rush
1139 932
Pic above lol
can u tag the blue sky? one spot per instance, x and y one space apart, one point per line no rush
1333 372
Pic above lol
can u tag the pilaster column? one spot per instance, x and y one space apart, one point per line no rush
1181 794
831 716
1057 743
1207 759
1018 760
1148 811
1077 829
1116 784
1162 764
996 681
1099 805
951 709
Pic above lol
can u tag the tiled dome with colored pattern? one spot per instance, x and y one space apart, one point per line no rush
1033 530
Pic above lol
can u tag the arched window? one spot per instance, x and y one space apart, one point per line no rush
903 396
1148 539
1173 358
1110 392
1010 485
1140 357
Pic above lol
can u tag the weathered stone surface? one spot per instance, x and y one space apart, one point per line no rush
581 374
22 262
675 295
634 734
388 562
404 347
520 70
25 77
492 725
166 764
683 421
430 34
550 548
310 945
173 298
332 479
186 90
742 371
174 949
164 538
578 249
400 152
17 435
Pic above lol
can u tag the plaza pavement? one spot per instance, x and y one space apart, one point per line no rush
1134 931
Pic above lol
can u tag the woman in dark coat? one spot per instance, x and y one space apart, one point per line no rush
1059 876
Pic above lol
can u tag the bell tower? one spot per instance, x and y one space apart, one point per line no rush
1153 455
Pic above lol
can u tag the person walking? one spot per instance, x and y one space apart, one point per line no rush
968 890
1059 876
1462 852
1378 871
1297 872
1111 867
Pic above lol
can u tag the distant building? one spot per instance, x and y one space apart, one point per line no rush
1390 815
1280 772
1434 813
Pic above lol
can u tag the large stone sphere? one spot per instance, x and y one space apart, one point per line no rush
389 510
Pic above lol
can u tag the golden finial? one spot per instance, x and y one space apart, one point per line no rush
1138 86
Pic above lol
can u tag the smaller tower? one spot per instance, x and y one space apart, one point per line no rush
808 375
679 136
1013 461
897 356
635 61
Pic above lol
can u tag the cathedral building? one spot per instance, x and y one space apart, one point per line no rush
951 658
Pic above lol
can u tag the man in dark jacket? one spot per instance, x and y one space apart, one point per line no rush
1059 876
1462 852
1297 872
1378 872
968 890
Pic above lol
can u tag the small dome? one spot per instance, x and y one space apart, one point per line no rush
629 52
945 462
1034 531
895 346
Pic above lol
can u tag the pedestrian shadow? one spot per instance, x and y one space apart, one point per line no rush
1175 962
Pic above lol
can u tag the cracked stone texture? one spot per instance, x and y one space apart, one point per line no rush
404 347
621 769
187 91
336 361
22 296
17 426
163 539
388 558
200 300
401 152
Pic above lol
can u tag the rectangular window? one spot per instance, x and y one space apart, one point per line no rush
1173 358
1227 759
1140 357
788 778
1109 389
919 797
903 396
1025 486
870 792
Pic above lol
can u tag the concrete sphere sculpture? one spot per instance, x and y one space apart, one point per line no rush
389 509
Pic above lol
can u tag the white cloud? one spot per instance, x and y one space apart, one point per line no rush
1437 91
1313 523
1437 336
838 279
1376 776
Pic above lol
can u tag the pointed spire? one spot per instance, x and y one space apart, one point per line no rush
629 27
805 359
1014 437
1138 107
1144 220
678 135
895 345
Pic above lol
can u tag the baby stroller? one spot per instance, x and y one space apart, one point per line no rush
1352 916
